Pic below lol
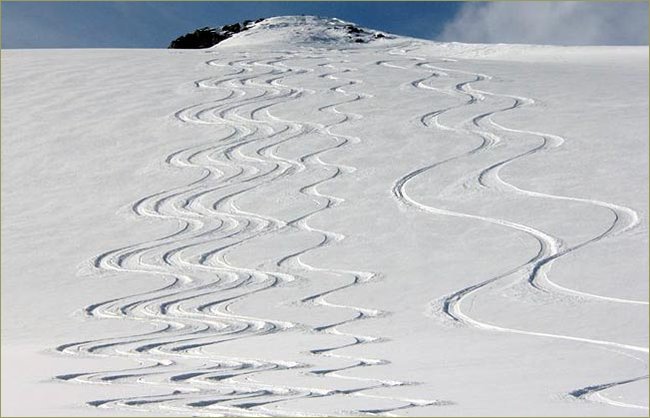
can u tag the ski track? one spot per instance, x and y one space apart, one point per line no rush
193 309
594 393
535 271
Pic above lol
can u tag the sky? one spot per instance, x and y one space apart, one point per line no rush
155 24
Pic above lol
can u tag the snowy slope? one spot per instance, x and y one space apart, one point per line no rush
291 223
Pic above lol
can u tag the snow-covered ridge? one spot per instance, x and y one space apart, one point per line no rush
323 32
303 30
294 30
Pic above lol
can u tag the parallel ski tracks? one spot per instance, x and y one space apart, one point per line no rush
193 306
194 309
534 271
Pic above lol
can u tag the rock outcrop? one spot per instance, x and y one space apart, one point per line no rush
208 37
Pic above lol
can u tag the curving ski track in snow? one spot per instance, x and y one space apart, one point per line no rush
193 309
193 305
535 271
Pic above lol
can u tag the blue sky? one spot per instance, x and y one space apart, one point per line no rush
155 24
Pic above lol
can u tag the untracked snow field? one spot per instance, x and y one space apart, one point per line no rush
293 224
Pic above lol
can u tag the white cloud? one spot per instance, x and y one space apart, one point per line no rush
552 22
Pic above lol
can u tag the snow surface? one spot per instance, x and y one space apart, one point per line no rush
290 224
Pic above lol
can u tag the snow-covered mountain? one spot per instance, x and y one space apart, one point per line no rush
294 30
296 223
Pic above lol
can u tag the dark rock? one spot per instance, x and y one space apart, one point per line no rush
354 29
234 28
200 38
208 37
